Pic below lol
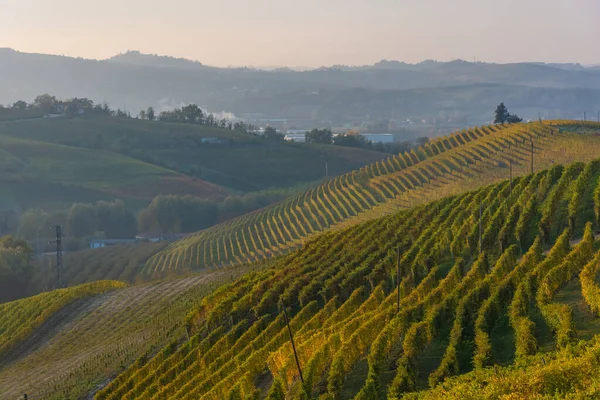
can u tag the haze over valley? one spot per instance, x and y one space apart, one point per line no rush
299 200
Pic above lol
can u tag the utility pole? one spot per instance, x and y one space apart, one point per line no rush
532 156
59 262
584 117
480 227
599 116
398 278
510 173
326 170
287 322
39 244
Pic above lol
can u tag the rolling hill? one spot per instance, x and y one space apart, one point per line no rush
238 160
38 174
488 283
445 166
80 347
460 302
136 81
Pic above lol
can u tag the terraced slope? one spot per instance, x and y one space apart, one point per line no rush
484 278
445 166
85 344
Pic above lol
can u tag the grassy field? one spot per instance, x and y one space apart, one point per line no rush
240 161
43 174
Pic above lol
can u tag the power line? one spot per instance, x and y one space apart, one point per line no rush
59 257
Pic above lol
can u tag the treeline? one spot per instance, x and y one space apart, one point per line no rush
190 114
113 220
183 214
193 114
16 268
354 139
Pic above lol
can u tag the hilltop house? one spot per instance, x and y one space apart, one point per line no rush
379 137
100 243
154 237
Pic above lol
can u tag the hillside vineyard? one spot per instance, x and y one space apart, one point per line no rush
403 178
408 301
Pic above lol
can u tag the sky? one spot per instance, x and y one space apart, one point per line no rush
308 33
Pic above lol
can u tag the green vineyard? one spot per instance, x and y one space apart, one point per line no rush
445 166
95 337
22 317
498 285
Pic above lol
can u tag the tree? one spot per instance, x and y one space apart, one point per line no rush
272 135
15 268
82 103
422 141
142 114
20 105
176 214
9 222
513 119
150 114
72 110
322 136
45 102
114 220
82 220
192 114
501 114
350 140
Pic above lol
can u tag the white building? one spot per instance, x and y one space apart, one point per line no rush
295 137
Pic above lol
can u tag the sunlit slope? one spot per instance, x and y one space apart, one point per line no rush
84 345
487 277
22 317
445 166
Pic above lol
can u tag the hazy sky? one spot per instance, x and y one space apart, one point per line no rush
308 32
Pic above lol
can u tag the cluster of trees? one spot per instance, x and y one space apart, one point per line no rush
182 214
16 258
503 116
354 139
48 104
104 219
113 220
192 114
170 213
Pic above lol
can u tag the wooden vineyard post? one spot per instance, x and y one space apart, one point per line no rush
398 279
510 173
287 322
532 156
480 227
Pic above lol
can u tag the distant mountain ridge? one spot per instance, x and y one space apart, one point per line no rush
135 81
